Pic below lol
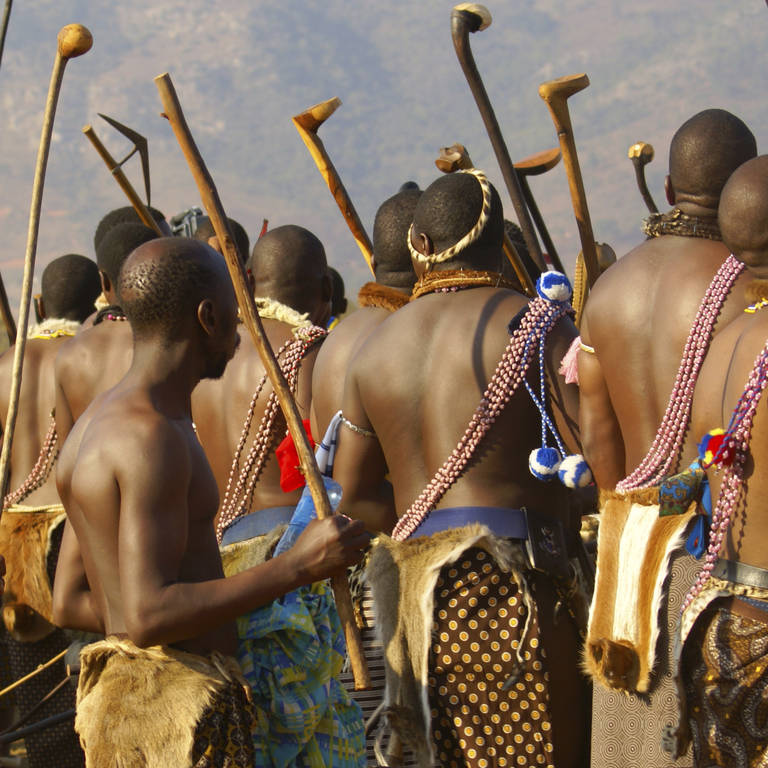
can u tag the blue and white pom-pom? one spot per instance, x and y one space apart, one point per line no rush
544 462
574 472
554 286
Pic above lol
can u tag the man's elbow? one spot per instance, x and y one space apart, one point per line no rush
145 627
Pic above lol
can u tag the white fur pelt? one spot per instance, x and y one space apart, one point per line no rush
403 576
634 550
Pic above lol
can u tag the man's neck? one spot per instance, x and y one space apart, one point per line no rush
694 209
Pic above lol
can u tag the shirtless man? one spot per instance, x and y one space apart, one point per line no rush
288 268
33 517
410 394
377 300
98 357
635 326
724 662
141 499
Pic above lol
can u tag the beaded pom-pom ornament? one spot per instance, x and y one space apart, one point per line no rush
546 462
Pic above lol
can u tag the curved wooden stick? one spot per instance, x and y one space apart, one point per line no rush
468 18
73 40
307 124
556 93
122 180
641 153
210 199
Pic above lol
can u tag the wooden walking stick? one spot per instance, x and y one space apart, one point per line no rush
471 17
210 199
641 154
556 93
73 40
116 170
455 158
307 124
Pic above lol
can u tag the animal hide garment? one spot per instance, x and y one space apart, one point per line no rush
634 548
26 535
241 555
382 296
403 576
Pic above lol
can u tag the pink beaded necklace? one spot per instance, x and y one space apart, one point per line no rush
509 374
736 442
49 452
665 449
241 484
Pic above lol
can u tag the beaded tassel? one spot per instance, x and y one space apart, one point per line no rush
49 452
736 443
238 496
665 449
509 374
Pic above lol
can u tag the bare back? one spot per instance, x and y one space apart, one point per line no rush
91 363
36 402
638 318
333 360
219 409
419 377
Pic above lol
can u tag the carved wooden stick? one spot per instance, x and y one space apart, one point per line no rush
210 199
73 40
641 153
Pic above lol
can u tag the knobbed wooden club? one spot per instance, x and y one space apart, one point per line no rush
73 40
212 203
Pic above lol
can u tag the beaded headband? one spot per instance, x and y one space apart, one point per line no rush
470 237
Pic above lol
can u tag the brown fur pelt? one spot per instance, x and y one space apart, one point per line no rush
382 296
403 576
634 548
25 541
242 555
139 707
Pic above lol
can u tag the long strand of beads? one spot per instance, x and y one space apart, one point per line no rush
737 438
509 374
49 452
241 484
665 449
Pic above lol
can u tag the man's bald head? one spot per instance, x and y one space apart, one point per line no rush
288 265
164 282
448 209
743 213
392 259
704 152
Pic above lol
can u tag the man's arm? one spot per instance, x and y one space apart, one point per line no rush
72 598
360 467
600 432
158 608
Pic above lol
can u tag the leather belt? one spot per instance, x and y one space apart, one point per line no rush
503 522
741 573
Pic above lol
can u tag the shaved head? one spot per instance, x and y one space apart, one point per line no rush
392 265
704 152
743 213
288 265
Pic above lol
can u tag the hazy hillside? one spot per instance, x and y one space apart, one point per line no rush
243 69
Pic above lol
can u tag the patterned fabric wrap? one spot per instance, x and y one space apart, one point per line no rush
725 668
291 653
486 709
678 492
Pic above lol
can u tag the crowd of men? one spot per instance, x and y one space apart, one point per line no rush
158 524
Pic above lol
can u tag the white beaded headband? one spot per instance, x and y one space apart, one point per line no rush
470 237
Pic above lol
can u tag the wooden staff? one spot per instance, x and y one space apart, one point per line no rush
455 158
210 199
73 40
556 93
307 124
641 154
147 219
471 17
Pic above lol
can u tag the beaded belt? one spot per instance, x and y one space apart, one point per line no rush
256 523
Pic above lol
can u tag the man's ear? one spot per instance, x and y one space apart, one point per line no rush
669 190
251 280
206 316
40 306
424 244
106 283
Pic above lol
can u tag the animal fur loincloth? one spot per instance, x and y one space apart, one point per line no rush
162 708
633 555
403 577
26 535
241 555
382 296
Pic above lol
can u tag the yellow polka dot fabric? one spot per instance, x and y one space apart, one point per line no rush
486 709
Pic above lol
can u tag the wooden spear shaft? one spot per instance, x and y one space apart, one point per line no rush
73 40
210 199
